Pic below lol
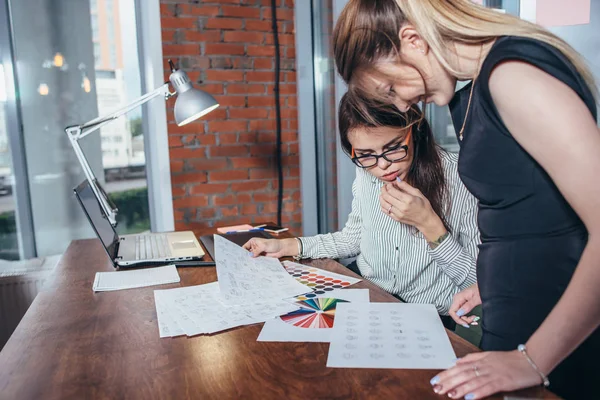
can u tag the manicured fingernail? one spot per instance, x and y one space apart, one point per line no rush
437 389
435 380
460 312
470 396
398 179
465 326
451 394
476 319
474 323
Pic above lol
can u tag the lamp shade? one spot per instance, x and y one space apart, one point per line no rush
191 103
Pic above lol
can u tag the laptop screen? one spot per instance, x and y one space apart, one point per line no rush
105 231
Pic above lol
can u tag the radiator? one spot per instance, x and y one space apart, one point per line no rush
16 295
20 282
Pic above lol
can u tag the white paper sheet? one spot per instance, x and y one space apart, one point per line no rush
118 280
243 278
389 335
319 280
199 310
167 326
311 323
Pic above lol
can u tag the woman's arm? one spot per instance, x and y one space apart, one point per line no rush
342 244
551 122
456 256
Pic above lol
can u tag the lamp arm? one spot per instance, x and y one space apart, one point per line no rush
77 132
97 123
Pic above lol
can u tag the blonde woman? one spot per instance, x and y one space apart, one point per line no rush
529 153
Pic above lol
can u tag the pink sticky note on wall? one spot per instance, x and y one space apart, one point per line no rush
561 13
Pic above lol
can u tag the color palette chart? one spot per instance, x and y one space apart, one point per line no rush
313 313
319 280
315 318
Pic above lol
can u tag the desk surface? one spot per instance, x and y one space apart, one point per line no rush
74 343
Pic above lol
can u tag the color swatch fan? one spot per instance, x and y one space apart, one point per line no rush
312 322
319 280
313 313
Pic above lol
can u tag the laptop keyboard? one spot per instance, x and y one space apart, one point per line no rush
149 247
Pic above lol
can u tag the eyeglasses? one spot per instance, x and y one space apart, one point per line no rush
395 154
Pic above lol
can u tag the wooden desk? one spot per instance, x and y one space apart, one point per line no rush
74 343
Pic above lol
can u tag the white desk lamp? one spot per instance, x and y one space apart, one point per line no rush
190 105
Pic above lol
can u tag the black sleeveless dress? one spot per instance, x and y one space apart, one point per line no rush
532 239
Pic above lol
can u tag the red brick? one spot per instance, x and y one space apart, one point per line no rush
262 125
284 39
187 152
243 37
225 200
194 177
290 76
241 11
249 209
293 124
263 149
224 76
180 49
210 11
292 101
204 213
286 113
168 36
262 173
282 14
269 207
261 51
217 114
250 162
231 175
178 191
208 164
288 137
249 186
233 101
223 48
177 22
208 188
238 88
190 201
260 76
228 138
204 36
229 151
167 10
263 63
261 101
206 139
294 171
290 52
247 137
224 23
258 25
227 126
264 197
212 88
175 141
176 166
178 215
248 113
229 212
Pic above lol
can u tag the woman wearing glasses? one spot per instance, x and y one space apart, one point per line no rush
413 224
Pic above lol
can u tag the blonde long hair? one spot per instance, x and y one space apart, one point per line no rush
368 30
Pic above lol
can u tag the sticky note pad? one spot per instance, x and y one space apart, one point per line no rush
225 229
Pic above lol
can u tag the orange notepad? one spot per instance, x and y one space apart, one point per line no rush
225 229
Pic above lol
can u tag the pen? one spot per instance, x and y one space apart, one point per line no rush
246 230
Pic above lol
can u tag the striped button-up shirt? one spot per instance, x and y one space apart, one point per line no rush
397 257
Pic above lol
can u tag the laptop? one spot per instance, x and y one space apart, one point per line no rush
139 250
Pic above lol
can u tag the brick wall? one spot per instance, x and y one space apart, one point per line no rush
223 167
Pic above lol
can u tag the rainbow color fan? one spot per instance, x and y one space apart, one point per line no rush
313 313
